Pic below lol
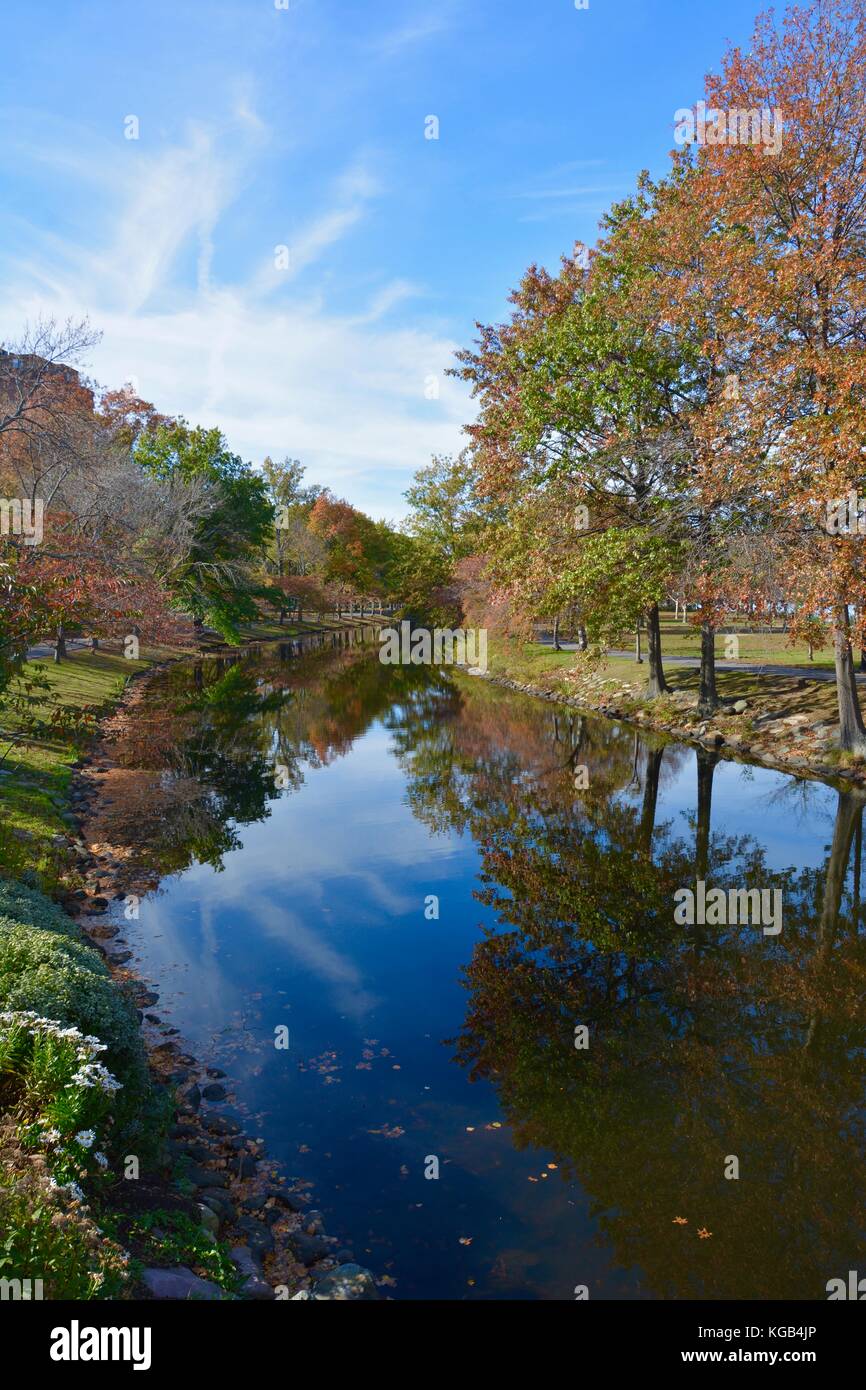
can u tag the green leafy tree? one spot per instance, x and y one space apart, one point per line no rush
213 575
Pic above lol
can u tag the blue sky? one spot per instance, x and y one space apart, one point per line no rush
305 128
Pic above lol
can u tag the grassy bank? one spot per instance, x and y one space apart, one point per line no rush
780 719
75 1093
47 717
754 646
79 1098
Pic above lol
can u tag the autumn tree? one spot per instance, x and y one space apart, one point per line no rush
214 576
786 227
580 387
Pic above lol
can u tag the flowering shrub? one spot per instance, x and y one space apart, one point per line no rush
47 1233
52 1082
61 977
47 967
23 904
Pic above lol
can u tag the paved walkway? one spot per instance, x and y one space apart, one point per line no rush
810 673
45 650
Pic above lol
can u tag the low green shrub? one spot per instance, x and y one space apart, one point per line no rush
22 904
161 1237
63 979
47 966
48 1235
54 1086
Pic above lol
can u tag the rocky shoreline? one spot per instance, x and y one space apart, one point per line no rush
750 731
212 1172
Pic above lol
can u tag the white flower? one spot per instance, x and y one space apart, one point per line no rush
92 1074
85 1138
100 1159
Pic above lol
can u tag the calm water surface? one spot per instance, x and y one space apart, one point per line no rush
303 814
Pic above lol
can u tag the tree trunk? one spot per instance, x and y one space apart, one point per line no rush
852 731
849 812
582 639
708 699
556 646
849 816
60 643
656 685
650 798
637 652
858 866
706 771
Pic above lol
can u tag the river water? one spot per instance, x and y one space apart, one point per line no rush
410 872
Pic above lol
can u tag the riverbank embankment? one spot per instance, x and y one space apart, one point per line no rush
779 721
198 1210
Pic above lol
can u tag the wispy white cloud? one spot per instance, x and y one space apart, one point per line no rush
271 357
412 33
387 299
578 191
243 107
176 195
555 196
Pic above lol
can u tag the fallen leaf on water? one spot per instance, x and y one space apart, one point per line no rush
681 1221
704 1233
466 1240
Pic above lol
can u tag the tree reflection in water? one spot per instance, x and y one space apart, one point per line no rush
705 1042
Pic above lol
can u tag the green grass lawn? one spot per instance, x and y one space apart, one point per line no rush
269 629
534 664
754 648
527 661
35 774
